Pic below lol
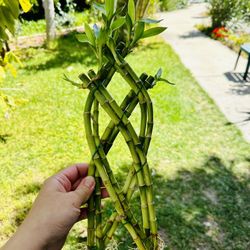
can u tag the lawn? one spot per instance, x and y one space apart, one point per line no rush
200 161
27 28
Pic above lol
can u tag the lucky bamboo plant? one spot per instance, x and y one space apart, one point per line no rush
112 42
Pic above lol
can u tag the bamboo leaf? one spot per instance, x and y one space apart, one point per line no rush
90 34
82 38
110 7
102 37
79 85
25 4
158 74
131 10
99 7
153 32
118 23
150 21
104 18
139 29
129 22
165 80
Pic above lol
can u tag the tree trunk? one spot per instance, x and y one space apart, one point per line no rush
50 22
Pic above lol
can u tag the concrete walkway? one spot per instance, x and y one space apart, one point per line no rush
211 63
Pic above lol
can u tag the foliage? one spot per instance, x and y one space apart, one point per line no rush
37 11
231 38
201 163
9 12
63 18
168 5
223 11
109 34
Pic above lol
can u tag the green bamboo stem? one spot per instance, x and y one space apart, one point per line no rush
108 184
91 214
129 184
98 162
131 138
94 208
97 194
138 147
112 223
129 75
133 80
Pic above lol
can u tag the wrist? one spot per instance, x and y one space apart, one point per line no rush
26 238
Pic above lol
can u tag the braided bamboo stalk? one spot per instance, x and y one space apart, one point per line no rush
111 44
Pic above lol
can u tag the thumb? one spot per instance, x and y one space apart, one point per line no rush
84 190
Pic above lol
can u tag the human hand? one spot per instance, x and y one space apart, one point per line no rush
56 209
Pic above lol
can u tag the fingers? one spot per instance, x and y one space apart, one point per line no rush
64 180
104 191
73 173
84 190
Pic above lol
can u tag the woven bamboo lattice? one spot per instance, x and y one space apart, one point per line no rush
138 144
111 43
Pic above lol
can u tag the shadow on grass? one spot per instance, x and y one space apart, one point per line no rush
24 205
68 51
204 209
207 208
4 138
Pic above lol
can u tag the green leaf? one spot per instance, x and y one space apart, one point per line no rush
90 34
153 31
131 10
110 6
3 34
165 80
99 7
139 29
158 74
102 37
82 38
150 21
129 22
13 6
6 19
118 23
9 19
104 18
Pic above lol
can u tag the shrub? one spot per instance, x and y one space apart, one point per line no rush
167 5
223 11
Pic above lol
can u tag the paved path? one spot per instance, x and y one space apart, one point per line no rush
211 63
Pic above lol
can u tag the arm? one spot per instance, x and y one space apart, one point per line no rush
56 209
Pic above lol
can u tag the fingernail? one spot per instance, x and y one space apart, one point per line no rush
89 181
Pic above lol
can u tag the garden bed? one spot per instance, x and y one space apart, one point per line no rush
230 38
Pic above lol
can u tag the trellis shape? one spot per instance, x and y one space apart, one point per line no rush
139 173
111 43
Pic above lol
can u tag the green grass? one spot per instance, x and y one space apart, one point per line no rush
200 162
27 28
